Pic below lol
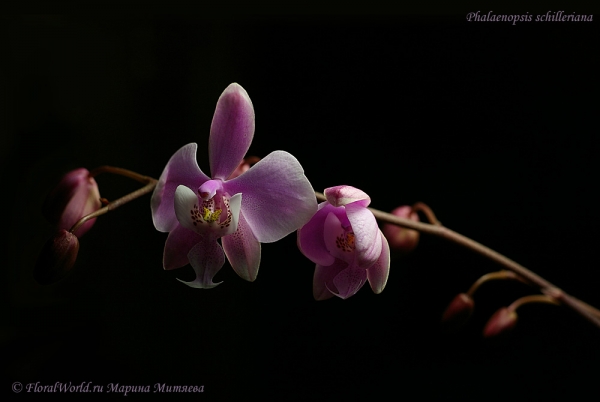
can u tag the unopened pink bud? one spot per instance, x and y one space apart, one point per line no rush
75 196
399 238
458 311
56 258
500 323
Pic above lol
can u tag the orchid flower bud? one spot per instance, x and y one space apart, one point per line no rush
75 196
500 323
56 258
402 239
458 311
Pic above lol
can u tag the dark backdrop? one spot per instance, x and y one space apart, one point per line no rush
493 124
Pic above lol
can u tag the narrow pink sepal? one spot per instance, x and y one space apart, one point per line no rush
231 131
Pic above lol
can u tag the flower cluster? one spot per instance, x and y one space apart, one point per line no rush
248 201
244 206
229 213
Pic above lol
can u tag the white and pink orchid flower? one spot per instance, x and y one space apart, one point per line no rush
262 205
343 239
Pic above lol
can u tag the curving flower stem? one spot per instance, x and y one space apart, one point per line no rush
494 276
531 299
123 172
150 184
587 311
591 313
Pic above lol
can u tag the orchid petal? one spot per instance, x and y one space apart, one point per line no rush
186 208
278 198
231 131
366 234
378 273
206 258
310 237
342 195
349 281
323 279
235 206
179 243
183 169
243 250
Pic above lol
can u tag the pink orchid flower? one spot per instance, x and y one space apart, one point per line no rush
343 239
262 205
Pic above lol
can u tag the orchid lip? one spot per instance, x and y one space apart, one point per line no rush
216 216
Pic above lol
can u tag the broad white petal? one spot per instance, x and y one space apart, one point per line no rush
186 209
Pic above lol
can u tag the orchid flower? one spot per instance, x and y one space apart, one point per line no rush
262 205
343 239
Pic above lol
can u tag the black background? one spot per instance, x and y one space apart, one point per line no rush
493 125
